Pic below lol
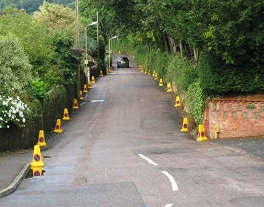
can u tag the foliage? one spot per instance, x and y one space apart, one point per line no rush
225 39
195 100
49 52
181 73
15 69
32 5
56 17
229 31
12 111
39 89
36 41
217 78
59 20
64 58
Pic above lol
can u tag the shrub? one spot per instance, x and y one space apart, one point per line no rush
195 100
39 89
181 73
12 111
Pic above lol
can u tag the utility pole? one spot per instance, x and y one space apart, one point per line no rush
22 5
76 45
76 38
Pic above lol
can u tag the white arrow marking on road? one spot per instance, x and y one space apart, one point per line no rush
173 182
149 160
169 205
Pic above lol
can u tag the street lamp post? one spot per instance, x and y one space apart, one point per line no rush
97 37
109 48
86 50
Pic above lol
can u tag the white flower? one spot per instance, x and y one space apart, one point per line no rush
12 110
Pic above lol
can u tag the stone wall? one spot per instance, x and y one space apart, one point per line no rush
237 117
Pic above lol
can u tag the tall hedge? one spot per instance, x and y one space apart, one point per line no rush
217 78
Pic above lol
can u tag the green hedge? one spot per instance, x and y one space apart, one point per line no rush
218 78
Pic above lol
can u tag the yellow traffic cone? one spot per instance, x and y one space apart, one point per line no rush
37 157
201 134
93 80
90 85
149 72
177 101
58 128
101 73
36 171
41 139
160 82
110 70
81 94
75 104
169 88
156 76
85 90
66 116
184 125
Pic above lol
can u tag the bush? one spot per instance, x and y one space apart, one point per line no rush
195 100
181 73
39 89
12 111
218 78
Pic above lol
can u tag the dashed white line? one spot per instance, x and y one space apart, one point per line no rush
169 205
147 159
173 182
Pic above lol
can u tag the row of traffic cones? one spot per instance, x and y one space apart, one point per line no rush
66 116
110 69
155 75
37 163
201 132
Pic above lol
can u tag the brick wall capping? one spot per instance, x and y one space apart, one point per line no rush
247 98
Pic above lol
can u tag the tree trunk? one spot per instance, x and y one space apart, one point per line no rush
181 49
196 54
172 45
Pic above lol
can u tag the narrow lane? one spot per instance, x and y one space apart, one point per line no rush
124 147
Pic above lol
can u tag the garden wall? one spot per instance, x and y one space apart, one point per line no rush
25 137
237 117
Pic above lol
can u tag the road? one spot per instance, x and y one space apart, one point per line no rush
124 148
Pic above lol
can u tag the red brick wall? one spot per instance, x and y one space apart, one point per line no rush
236 116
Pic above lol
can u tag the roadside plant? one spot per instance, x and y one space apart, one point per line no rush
13 111
195 99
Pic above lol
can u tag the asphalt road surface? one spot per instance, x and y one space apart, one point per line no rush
124 148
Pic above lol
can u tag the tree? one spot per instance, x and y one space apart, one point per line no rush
30 6
56 17
15 69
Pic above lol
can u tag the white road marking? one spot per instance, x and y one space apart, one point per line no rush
173 182
96 101
169 205
149 160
